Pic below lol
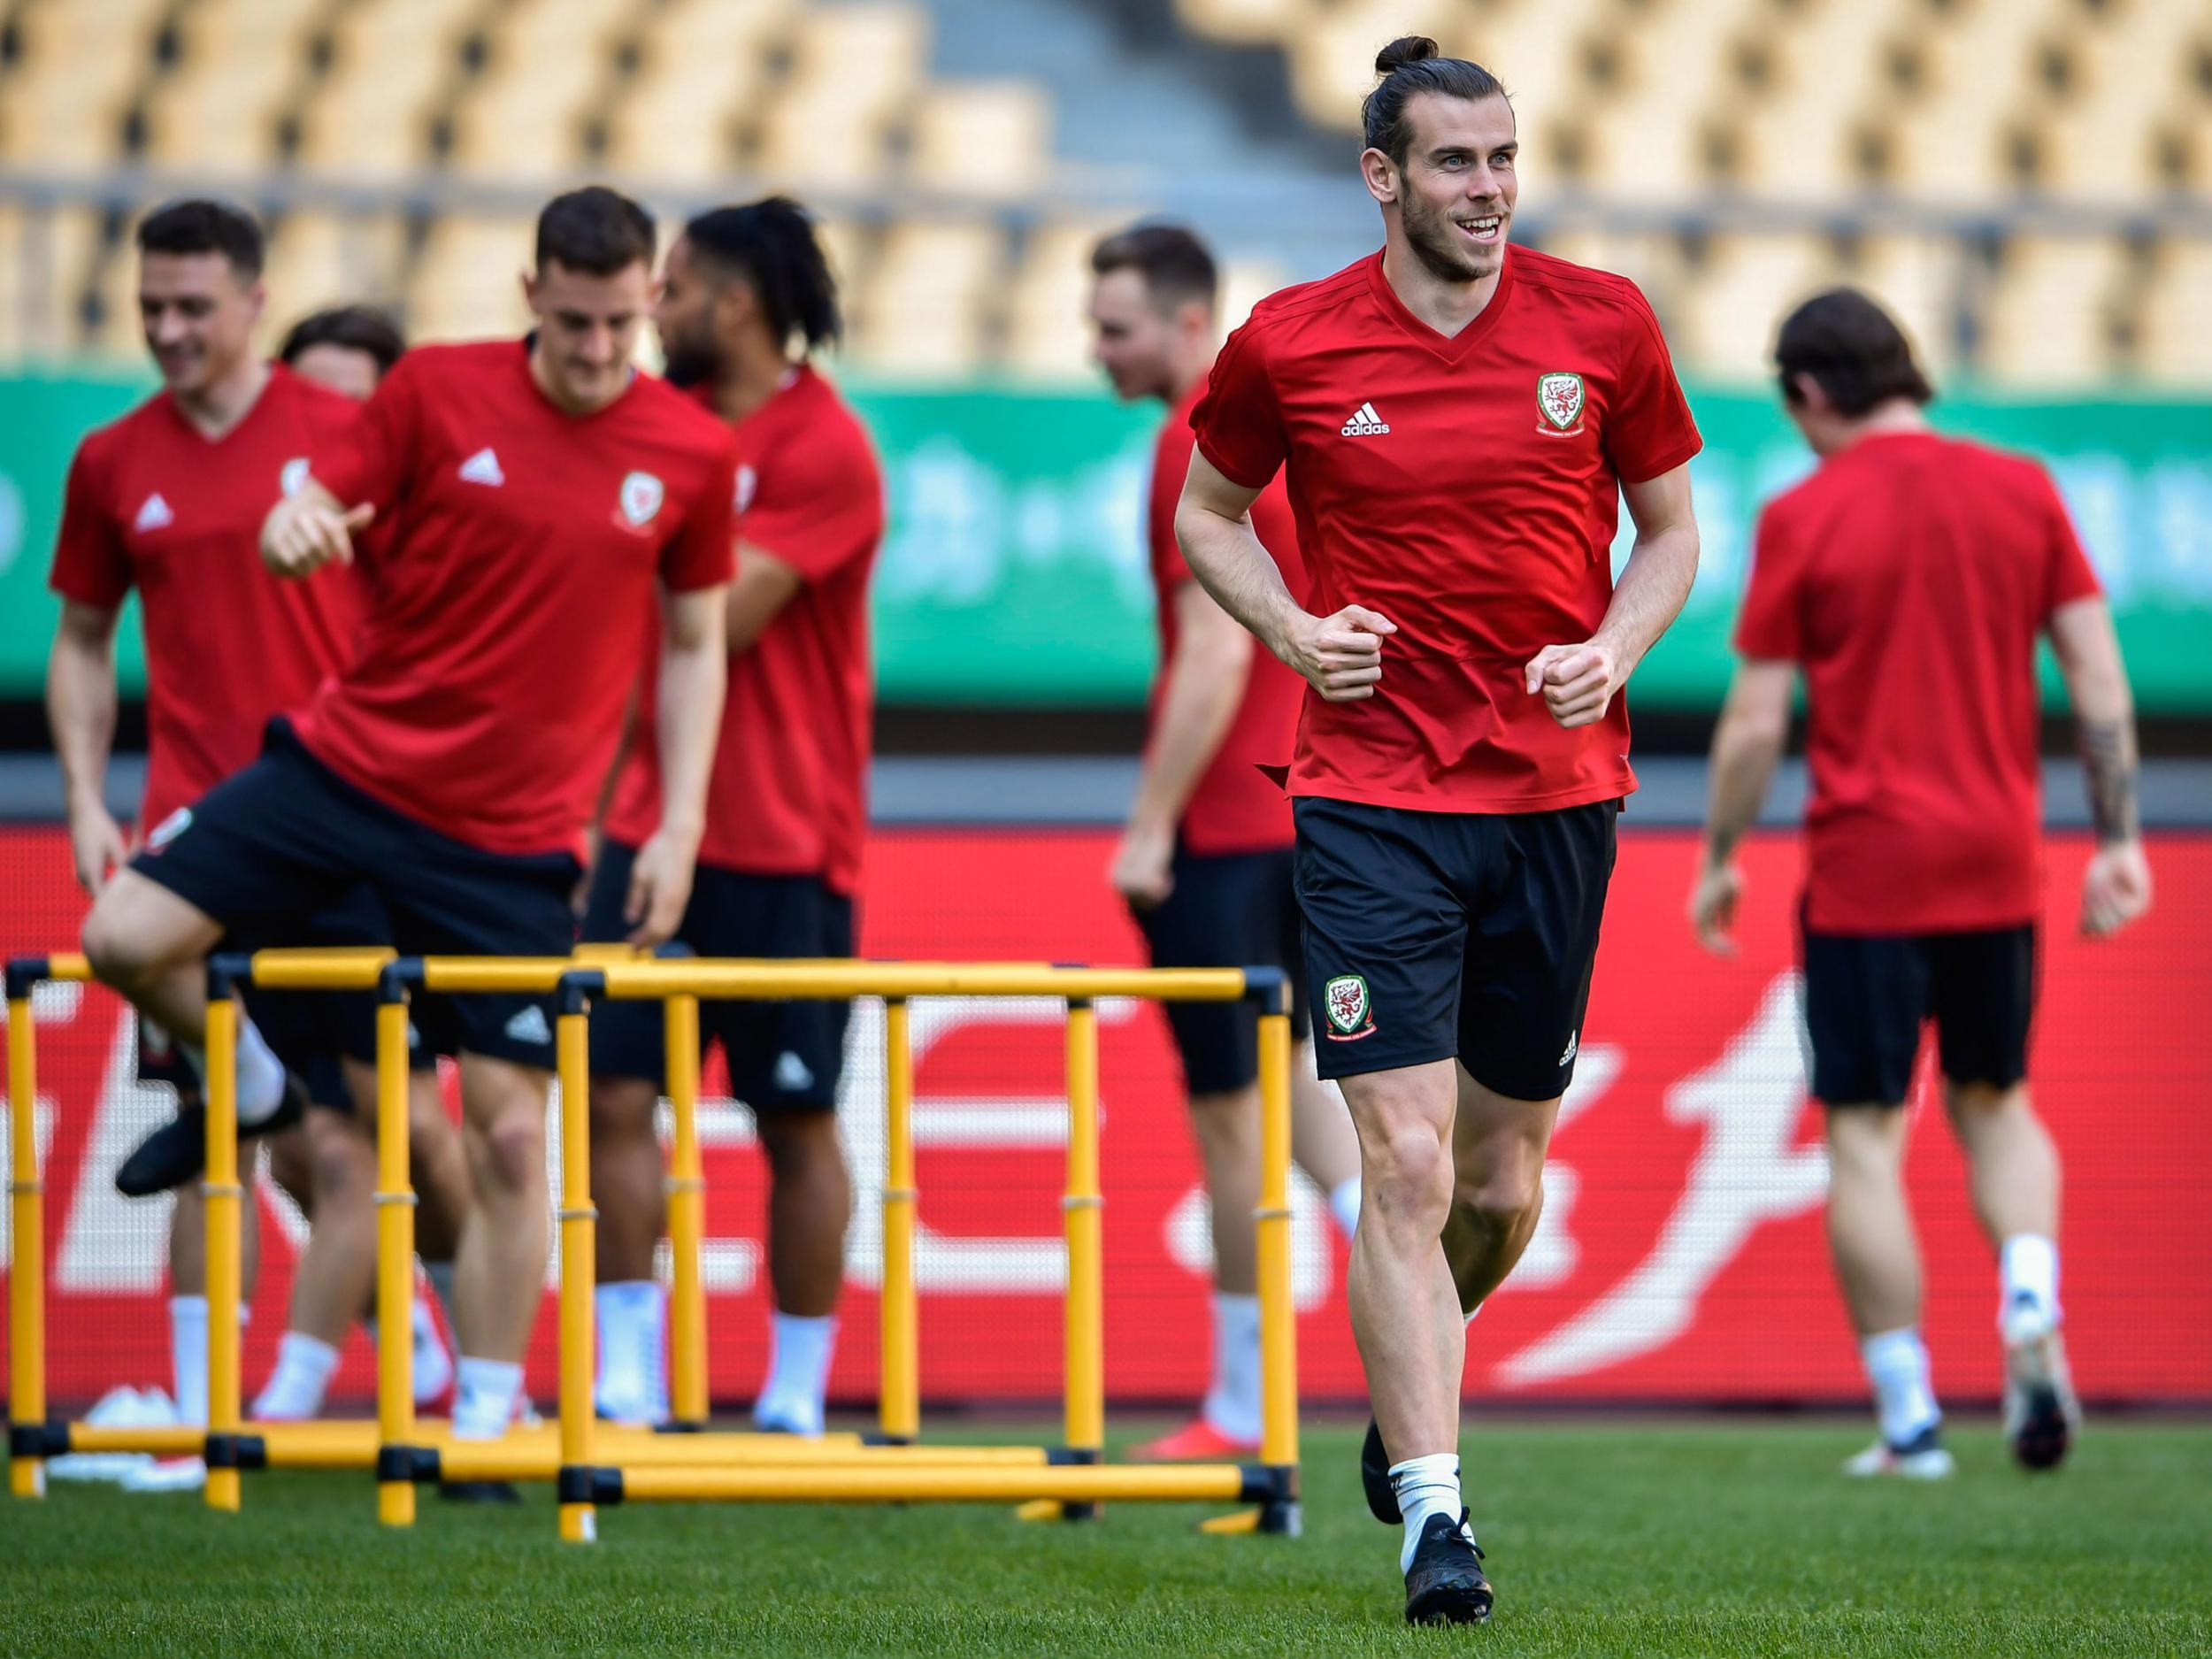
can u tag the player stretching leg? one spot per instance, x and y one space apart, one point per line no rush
1457 420
538 493
747 295
1204 861
1908 580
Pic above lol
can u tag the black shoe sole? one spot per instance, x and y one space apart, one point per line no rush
1457 1603
2046 1436
177 1151
1374 1478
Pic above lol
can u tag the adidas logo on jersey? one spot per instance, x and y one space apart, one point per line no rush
1365 423
482 468
154 515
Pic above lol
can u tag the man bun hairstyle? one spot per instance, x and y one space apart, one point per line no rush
1175 264
205 223
772 246
595 230
1853 349
1408 66
356 328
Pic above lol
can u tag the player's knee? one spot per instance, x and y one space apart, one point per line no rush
1407 1176
513 1150
799 1142
117 951
622 1116
1501 1196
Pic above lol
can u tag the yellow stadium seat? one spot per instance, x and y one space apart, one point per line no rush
396 65
319 259
1048 329
1918 279
549 66
1728 314
922 312
1649 137
982 138
242 62
1949 139
2049 322
702 66
853 69
2175 344
62 105
46 259
115 329
1244 22
1535 48
2130 58
468 283
1652 261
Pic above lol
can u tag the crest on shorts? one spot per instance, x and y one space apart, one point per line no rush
1559 400
641 497
1344 1000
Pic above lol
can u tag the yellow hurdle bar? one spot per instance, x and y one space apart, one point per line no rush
1279 1319
1082 1484
26 1222
687 1217
394 1258
707 977
579 1242
899 1410
1082 1206
223 1194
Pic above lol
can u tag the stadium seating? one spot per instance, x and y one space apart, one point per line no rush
1725 153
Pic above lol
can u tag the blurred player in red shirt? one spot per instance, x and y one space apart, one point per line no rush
1204 861
168 501
1457 421
541 497
747 296
1908 579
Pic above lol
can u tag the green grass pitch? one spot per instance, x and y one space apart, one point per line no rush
1707 1538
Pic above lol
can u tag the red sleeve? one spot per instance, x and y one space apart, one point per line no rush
1770 626
2069 575
703 553
1239 422
372 458
1648 429
817 505
91 566
1170 465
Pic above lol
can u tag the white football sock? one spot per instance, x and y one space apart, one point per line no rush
296 1388
799 1351
434 1366
1232 1404
260 1074
2027 1269
188 1356
1425 1486
1897 1365
1344 1205
485 1403
633 1318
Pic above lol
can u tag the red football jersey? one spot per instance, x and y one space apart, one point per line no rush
515 592
788 793
1468 488
1910 577
1234 807
154 504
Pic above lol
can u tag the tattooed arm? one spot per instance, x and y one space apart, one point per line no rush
2116 886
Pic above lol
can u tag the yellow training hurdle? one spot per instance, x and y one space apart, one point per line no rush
594 1463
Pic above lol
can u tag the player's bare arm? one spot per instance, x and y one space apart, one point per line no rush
310 528
81 703
1579 681
2116 888
694 674
1339 656
1205 683
763 586
1755 724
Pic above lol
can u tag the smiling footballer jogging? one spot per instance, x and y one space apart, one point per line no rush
540 495
1457 420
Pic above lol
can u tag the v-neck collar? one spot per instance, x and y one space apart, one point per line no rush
253 412
1451 348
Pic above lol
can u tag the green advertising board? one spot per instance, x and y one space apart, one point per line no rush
1014 570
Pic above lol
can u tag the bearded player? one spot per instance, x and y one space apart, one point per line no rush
1457 421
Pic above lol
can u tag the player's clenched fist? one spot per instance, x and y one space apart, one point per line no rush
310 529
1340 655
1578 681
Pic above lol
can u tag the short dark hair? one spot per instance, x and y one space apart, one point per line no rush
203 224
1408 66
595 230
356 328
772 245
1174 263
1854 350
